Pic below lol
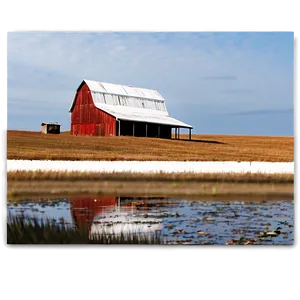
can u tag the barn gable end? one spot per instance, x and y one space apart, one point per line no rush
87 119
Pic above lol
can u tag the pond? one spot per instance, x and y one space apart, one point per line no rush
177 221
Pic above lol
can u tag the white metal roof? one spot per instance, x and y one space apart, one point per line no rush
123 90
131 103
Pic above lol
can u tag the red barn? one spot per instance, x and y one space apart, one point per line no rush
104 109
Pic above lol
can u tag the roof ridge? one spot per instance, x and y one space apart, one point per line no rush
122 85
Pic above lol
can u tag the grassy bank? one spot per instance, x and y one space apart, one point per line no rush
157 177
30 231
29 183
30 188
34 145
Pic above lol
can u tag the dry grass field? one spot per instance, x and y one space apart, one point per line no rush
34 145
148 177
33 184
47 188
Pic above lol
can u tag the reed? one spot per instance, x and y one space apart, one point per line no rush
33 231
149 177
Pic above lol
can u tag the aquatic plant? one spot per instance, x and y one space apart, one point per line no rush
34 231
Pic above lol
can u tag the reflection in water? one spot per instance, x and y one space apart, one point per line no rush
113 215
178 221
83 210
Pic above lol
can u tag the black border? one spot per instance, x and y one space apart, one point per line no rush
170 250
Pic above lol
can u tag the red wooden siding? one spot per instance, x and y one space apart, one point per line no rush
87 119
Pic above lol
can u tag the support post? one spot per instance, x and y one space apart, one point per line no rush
179 133
146 129
190 134
158 133
119 127
133 128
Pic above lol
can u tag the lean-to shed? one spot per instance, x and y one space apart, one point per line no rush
105 109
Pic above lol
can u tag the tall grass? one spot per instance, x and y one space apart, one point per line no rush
161 177
33 231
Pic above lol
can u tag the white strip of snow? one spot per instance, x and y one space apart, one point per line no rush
152 166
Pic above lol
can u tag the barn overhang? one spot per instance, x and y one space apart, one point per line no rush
154 120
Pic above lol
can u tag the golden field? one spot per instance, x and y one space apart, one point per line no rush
35 145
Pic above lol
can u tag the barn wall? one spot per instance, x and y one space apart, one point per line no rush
44 129
86 119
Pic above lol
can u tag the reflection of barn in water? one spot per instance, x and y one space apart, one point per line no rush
84 209
118 214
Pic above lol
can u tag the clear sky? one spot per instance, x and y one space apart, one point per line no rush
228 83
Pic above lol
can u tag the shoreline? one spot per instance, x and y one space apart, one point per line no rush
41 188
45 183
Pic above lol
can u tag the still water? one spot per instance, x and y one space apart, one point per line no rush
178 221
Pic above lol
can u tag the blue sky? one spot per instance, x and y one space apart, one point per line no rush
227 83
